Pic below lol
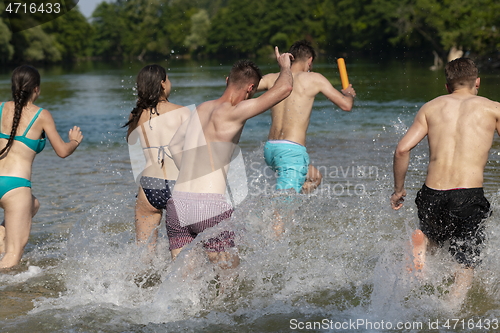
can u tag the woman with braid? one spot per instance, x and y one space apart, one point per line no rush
23 127
151 126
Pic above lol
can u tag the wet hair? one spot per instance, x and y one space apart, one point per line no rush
243 72
149 91
24 81
302 50
460 72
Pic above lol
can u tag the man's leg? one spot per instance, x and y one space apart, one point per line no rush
313 179
175 252
463 282
225 260
278 225
419 243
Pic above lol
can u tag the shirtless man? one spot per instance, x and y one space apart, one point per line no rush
203 156
285 152
451 205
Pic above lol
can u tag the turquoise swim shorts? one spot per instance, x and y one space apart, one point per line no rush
290 160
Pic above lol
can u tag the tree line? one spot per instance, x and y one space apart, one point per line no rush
151 29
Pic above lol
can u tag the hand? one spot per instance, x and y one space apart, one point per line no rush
75 134
349 91
397 199
284 59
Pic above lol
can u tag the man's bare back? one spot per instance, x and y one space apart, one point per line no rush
215 129
290 120
451 204
208 148
461 129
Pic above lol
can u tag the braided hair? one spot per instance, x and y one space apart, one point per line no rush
149 92
24 81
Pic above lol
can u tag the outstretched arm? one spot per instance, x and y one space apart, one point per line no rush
63 149
415 134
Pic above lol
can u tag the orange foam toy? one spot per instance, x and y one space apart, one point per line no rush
343 73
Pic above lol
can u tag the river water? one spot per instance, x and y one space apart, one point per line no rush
340 266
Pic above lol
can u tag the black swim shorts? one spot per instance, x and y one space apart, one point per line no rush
456 215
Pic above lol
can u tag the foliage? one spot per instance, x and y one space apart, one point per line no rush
35 45
71 32
142 29
234 30
200 25
468 24
6 49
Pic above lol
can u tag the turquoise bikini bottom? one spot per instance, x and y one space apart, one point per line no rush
8 183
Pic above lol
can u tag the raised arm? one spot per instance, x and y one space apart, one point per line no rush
415 134
278 92
267 81
63 149
344 99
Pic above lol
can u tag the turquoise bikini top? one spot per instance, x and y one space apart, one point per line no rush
35 145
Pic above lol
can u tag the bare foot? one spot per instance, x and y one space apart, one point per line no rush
9 260
2 239
419 243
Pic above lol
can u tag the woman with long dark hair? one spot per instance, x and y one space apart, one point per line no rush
152 123
23 127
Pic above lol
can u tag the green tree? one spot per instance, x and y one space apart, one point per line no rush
139 28
108 24
470 24
177 25
143 27
6 49
35 45
250 27
200 25
354 25
72 33
235 29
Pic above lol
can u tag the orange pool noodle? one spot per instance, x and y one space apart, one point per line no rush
343 73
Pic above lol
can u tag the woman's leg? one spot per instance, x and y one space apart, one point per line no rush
36 206
147 220
19 207
2 239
